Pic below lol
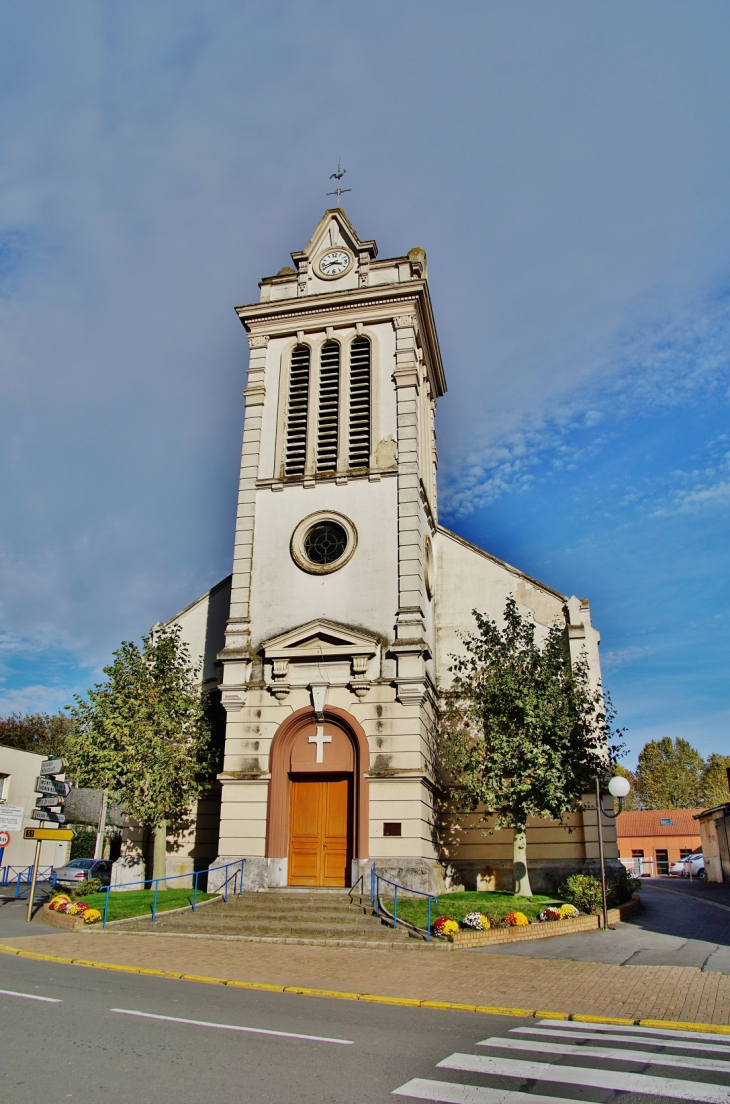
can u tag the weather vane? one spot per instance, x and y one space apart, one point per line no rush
338 177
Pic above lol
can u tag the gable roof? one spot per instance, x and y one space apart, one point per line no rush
646 822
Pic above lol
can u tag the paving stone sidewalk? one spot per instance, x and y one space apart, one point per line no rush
567 986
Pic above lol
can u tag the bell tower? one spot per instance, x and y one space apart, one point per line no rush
332 587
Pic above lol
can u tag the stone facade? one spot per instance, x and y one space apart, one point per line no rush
330 668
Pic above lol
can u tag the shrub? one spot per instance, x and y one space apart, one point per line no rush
91 916
87 887
621 886
549 914
568 912
583 891
516 920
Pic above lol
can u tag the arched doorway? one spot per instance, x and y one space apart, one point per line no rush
317 815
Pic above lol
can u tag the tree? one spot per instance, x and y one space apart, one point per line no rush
669 775
39 733
523 732
714 781
143 735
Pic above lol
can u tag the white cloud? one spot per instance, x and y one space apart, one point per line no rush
32 699
623 657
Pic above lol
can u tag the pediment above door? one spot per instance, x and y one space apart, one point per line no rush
321 652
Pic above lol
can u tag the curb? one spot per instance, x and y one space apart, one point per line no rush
681 1025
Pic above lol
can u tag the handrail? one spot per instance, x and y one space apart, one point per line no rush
238 864
376 879
360 882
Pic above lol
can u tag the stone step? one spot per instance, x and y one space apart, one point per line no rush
281 924
257 908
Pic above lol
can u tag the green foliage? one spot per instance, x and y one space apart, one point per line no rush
495 905
669 775
85 888
83 844
584 891
621 887
143 734
39 733
138 902
714 780
524 733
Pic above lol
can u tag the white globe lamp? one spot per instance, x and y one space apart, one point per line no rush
619 786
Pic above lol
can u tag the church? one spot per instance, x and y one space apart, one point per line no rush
329 643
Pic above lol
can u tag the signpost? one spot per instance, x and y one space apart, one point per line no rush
58 835
45 785
54 791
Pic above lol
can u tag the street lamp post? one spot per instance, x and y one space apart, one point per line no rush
618 787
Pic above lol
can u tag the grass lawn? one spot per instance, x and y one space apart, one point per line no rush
138 902
456 905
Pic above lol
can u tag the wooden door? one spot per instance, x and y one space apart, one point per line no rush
319 832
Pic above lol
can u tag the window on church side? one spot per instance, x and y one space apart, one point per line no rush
297 410
360 403
329 407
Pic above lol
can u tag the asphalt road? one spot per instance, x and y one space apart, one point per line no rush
679 925
128 1039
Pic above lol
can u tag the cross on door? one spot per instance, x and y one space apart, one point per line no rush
320 740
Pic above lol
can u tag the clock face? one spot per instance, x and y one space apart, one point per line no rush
334 263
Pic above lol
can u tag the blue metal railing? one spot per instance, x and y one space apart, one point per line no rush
23 876
375 881
144 882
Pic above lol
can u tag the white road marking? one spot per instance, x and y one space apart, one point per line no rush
592 1078
641 1057
555 1033
450 1093
672 1033
30 996
234 1027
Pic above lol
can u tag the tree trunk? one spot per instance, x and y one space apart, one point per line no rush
159 852
519 863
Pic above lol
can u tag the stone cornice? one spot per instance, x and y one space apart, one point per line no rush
383 303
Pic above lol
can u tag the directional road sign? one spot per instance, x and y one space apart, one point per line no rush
45 814
52 786
58 835
49 801
53 766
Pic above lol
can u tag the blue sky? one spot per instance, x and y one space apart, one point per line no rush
567 169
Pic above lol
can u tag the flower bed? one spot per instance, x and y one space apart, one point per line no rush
62 903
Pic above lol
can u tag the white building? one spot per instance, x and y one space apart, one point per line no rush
330 640
18 773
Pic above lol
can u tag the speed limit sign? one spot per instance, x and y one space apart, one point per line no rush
4 838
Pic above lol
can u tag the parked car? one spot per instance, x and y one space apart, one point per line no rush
79 869
694 866
677 868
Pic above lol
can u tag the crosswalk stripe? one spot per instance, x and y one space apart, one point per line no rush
642 1057
592 1078
449 1092
556 1033
672 1033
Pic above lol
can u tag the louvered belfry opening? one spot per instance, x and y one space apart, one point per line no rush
329 407
360 403
297 410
